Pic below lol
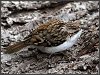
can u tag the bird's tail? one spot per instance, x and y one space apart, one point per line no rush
16 47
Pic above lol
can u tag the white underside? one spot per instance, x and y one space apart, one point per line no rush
66 45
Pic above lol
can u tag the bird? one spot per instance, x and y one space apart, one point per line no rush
50 37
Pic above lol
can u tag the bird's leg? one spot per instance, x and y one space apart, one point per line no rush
58 53
50 56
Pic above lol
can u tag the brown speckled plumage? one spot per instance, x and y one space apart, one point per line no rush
52 33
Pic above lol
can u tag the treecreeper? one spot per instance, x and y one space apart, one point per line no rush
51 36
